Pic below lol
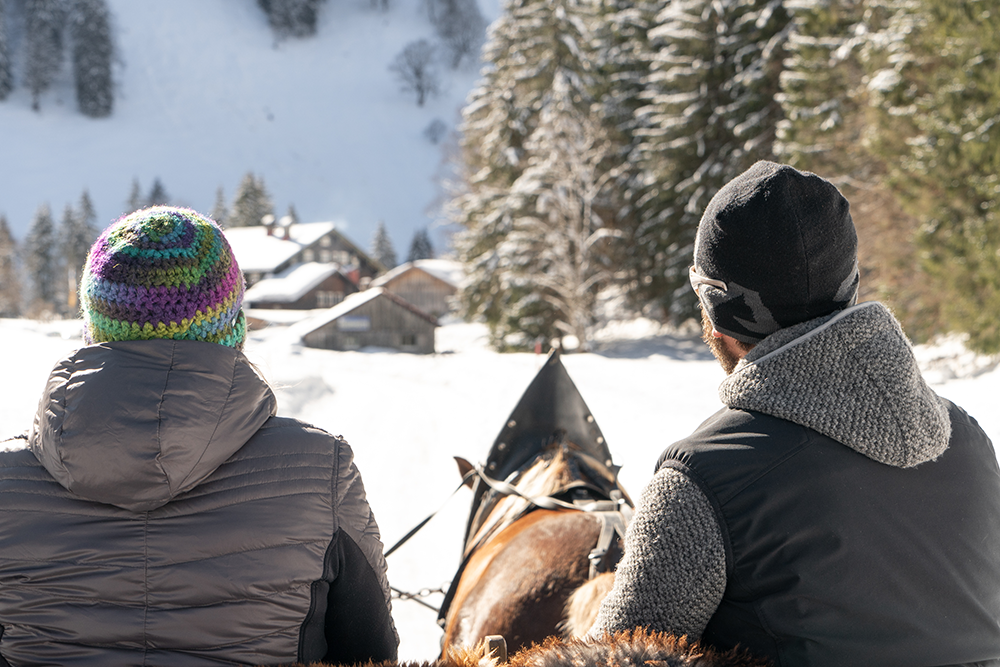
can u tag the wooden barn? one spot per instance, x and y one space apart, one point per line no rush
373 318
264 251
429 284
302 287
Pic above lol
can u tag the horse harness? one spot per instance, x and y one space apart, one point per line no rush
614 515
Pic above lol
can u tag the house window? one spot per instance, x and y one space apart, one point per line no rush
354 323
325 242
409 340
325 256
308 255
327 298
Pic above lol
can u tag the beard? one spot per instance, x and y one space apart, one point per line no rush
727 358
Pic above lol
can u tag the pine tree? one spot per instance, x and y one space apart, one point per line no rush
251 203
135 199
219 211
532 44
92 54
556 253
940 98
42 259
157 194
460 25
77 234
6 70
382 249
712 113
10 282
44 46
291 215
420 246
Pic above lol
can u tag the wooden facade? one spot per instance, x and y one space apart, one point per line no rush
374 318
420 287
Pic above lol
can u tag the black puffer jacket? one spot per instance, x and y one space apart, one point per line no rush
162 515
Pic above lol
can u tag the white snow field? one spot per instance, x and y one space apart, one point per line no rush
407 415
204 95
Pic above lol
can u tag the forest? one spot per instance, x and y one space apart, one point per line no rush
601 130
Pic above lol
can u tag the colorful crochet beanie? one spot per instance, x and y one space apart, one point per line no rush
163 272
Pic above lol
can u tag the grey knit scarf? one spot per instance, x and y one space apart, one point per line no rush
851 376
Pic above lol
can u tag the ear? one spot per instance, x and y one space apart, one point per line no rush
464 468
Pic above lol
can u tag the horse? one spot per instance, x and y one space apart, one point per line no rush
547 515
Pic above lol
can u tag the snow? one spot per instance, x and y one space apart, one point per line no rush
407 415
204 94
257 251
292 283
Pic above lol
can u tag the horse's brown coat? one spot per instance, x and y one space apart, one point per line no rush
517 583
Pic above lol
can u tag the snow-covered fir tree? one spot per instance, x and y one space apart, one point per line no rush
382 248
10 278
92 52
219 209
540 83
420 246
42 260
556 254
712 113
76 234
251 203
6 70
621 85
44 45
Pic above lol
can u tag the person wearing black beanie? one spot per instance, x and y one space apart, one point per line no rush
836 511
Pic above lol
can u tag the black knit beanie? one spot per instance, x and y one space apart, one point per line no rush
775 247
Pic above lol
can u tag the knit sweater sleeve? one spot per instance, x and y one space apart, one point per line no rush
673 573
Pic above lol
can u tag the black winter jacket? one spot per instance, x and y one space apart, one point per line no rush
163 515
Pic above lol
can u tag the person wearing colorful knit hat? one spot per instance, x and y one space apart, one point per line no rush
158 511
163 272
836 511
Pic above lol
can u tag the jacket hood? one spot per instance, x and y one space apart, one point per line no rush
851 376
135 423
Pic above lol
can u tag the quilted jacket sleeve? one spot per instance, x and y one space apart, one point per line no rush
359 624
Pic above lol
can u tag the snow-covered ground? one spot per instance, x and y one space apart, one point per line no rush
407 415
204 95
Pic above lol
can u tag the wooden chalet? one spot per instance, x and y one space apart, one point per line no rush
429 284
302 287
373 318
265 251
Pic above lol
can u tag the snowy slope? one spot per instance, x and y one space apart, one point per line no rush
407 415
205 95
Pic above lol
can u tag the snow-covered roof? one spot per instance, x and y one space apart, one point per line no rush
291 284
447 270
353 302
257 252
